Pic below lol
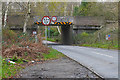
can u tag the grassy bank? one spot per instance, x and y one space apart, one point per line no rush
57 39
98 38
0 67
22 49
9 70
99 45
51 39
53 54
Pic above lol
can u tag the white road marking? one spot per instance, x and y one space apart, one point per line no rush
103 54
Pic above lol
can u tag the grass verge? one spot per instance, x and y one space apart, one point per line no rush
99 45
0 67
10 70
53 54
51 39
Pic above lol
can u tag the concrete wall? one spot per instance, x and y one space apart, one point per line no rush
88 20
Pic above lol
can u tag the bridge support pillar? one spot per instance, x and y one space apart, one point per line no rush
67 35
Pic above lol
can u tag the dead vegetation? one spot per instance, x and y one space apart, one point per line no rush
30 52
26 49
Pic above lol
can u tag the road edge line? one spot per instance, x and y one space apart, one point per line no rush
101 77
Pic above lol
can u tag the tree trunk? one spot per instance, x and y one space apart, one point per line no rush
25 24
26 18
72 10
6 13
58 30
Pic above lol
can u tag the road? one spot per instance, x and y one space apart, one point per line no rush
49 42
103 62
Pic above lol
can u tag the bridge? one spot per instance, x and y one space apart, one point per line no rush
67 23
66 27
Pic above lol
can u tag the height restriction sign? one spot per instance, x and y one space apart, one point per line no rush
46 20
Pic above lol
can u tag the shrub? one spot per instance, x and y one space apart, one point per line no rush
84 34
9 35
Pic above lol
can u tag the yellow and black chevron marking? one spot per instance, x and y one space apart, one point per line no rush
58 23
38 22
63 23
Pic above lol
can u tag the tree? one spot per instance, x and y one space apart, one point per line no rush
27 16
6 13
109 10
83 9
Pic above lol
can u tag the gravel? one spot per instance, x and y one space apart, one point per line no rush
60 68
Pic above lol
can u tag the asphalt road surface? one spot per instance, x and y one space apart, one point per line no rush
102 61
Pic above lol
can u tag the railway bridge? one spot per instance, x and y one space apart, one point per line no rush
67 23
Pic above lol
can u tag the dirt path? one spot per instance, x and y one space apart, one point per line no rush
60 68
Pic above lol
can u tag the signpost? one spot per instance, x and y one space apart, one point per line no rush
46 21
35 34
49 32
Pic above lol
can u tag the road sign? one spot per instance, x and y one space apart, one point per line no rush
54 18
34 32
46 20
107 37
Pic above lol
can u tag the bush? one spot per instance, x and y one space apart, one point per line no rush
84 34
98 39
9 35
53 32
81 38
56 33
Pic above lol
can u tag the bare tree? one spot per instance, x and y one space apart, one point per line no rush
6 13
27 16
